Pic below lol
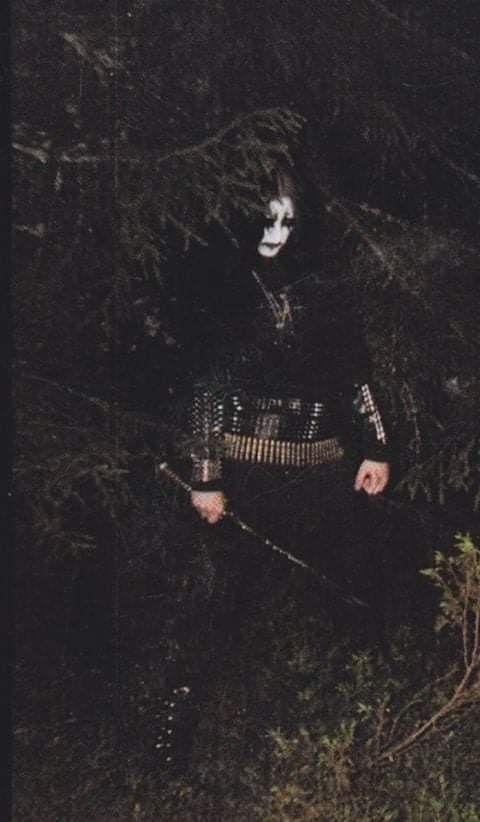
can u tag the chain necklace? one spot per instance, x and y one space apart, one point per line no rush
280 308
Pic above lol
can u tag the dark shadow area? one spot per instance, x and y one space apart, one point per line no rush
167 669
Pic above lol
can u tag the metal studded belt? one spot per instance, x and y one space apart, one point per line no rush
243 448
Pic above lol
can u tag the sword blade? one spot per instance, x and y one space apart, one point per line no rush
342 593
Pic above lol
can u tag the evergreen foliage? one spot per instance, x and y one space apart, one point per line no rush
140 153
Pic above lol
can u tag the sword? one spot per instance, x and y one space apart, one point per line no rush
344 595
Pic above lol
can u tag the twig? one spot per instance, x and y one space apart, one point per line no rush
460 697
105 405
285 114
397 19
417 699
290 120
346 213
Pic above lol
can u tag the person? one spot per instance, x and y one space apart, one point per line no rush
286 433
283 388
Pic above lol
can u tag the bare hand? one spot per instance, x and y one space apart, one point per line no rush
372 477
210 505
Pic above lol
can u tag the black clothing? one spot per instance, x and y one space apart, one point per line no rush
282 360
314 513
274 356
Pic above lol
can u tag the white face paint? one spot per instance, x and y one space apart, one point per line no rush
278 226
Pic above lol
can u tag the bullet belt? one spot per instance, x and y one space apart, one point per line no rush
243 448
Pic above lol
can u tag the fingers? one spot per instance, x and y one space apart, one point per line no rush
209 506
372 477
381 483
369 485
373 484
212 516
363 480
359 479
376 484
383 475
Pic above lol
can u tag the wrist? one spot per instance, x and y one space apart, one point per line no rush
209 486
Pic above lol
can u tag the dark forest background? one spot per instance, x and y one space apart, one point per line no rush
141 130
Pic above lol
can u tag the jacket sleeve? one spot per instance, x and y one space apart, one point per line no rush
207 425
204 407
374 443
368 422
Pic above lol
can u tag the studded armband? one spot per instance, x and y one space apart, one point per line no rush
207 439
374 438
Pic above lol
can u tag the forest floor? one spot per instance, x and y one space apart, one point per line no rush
126 709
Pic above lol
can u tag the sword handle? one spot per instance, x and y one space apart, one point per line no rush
172 475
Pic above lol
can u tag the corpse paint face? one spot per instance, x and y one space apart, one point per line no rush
278 226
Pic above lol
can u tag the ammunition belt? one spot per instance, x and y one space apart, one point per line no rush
243 448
